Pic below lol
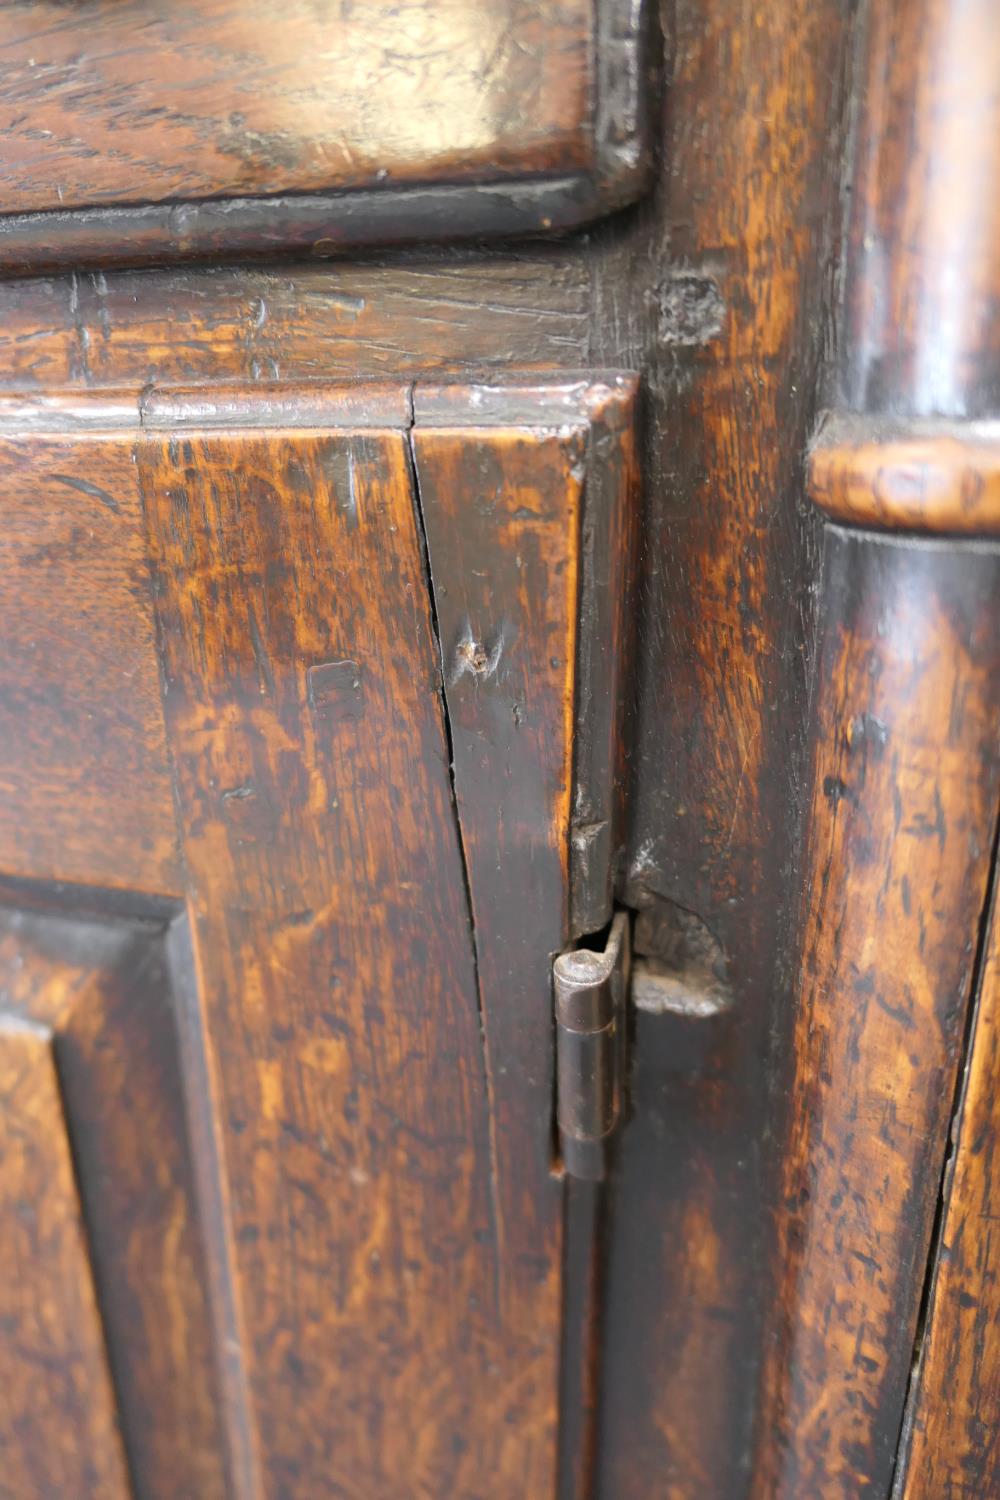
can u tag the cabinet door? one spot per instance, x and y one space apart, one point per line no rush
290 833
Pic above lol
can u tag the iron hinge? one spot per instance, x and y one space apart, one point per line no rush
591 988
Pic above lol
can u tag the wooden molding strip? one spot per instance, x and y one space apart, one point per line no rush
925 476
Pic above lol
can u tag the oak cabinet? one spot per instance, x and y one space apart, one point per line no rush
499 750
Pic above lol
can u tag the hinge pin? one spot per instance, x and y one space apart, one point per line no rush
590 994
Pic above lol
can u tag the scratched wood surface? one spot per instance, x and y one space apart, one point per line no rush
905 784
84 787
950 1450
502 516
88 1003
110 103
721 294
337 981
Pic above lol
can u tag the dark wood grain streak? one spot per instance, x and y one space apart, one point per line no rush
385 1346
502 514
951 1451
905 792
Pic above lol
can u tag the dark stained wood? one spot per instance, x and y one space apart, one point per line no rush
909 475
568 435
529 496
923 287
905 791
210 127
384 1348
57 1412
721 294
95 999
951 1451
84 787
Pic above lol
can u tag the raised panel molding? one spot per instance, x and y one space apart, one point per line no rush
108 1381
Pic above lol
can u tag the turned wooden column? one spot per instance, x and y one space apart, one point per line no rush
898 840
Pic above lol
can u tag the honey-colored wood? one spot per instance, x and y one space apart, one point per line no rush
84 787
57 1412
89 1034
950 1450
905 788
913 476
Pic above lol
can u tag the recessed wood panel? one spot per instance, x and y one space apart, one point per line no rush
207 125
92 999
58 1428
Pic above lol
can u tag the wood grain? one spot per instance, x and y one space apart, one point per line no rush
93 999
502 511
84 788
905 791
137 103
138 131
908 476
347 322
57 1410
336 973
922 334
950 1451
721 293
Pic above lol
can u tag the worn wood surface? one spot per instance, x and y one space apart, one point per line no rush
950 1450
57 1410
137 131
922 333
919 476
905 787
84 787
336 972
93 996
109 103
502 479
350 322
721 294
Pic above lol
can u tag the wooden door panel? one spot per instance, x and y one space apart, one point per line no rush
377 1252
84 783
107 1371
335 966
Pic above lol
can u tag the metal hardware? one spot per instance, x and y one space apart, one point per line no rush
590 996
